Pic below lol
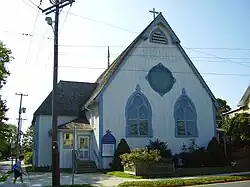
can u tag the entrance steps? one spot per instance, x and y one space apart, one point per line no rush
86 166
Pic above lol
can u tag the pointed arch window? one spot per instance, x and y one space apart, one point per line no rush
185 117
138 115
158 36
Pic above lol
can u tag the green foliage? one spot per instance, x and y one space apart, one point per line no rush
27 141
216 153
239 127
9 134
184 182
192 155
5 57
142 155
224 107
161 146
28 156
122 148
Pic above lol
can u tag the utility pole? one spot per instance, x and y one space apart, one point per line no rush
21 110
57 5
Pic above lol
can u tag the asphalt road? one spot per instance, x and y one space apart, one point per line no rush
231 184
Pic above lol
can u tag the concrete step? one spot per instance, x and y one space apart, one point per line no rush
86 166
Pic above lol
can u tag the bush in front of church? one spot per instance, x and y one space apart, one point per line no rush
122 148
216 153
160 146
143 156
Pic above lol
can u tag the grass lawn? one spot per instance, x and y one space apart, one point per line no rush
182 172
185 182
5 176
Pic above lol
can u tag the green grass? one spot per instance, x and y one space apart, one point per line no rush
185 182
181 172
123 175
5 176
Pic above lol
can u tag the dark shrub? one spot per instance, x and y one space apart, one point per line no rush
216 153
160 146
122 148
28 158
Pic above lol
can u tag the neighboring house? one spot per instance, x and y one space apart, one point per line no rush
152 90
243 105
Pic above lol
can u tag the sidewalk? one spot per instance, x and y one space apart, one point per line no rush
9 181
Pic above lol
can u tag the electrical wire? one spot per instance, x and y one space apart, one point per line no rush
64 21
144 70
37 15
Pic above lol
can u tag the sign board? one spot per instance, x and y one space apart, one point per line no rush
108 149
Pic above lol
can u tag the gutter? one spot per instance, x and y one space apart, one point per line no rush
91 114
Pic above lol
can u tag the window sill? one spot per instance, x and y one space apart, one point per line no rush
131 136
186 136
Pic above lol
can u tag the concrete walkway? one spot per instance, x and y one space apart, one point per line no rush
96 179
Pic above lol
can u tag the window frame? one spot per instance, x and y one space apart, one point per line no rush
138 120
64 138
177 119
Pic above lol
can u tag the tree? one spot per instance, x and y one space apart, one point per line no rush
9 134
27 141
239 128
122 148
224 107
5 57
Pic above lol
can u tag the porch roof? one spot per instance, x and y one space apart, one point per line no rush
80 123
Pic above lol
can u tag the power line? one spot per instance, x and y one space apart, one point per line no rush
64 21
152 47
102 22
144 70
40 46
37 15
220 57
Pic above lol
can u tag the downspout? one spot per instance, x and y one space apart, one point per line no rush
91 114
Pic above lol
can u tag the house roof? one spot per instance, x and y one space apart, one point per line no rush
105 77
70 97
80 123
243 100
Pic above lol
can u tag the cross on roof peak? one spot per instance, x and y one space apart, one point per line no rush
154 12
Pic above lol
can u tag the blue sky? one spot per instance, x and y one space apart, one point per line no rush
95 24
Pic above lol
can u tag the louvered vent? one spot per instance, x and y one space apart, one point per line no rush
157 36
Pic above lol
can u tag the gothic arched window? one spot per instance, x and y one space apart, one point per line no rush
138 115
185 117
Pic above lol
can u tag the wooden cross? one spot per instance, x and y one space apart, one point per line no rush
153 12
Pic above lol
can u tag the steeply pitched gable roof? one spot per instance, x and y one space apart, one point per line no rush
105 77
244 98
70 97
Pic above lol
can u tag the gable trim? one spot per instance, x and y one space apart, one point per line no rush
196 72
244 98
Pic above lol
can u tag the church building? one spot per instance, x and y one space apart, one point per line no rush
152 90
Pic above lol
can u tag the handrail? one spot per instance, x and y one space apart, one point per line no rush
75 157
96 156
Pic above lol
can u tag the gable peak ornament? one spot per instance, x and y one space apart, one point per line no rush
154 12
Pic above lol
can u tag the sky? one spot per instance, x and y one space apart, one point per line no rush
215 35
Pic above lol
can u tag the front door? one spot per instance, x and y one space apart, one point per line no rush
83 147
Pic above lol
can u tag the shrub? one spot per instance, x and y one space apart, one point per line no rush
216 153
160 146
193 155
143 155
122 148
28 156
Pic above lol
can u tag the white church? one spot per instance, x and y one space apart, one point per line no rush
152 90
